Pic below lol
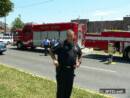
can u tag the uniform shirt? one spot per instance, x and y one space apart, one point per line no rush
67 53
46 42
53 42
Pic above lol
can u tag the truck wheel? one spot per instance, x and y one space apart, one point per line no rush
124 55
33 48
8 43
19 45
1 53
128 54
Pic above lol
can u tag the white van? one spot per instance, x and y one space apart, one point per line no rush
7 39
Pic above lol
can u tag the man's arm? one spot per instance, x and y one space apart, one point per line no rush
55 61
55 50
79 57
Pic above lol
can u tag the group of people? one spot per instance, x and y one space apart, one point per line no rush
48 43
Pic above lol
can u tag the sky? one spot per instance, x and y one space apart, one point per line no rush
50 11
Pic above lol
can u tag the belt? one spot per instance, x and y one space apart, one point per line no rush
67 67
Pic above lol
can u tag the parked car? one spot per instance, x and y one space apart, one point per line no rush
7 39
2 47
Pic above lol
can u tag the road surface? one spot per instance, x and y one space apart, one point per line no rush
93 73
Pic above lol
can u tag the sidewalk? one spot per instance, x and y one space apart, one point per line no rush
87 50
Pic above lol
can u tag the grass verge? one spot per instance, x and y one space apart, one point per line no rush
17 84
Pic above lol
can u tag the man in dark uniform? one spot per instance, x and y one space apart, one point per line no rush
68 58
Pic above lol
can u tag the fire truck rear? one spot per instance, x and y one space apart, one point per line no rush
119 39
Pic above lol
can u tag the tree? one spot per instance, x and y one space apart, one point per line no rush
6 6
17 24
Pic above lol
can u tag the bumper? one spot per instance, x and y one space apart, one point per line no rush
3 49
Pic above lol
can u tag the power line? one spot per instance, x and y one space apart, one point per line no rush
35 4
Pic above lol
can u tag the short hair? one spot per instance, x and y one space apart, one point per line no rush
70 32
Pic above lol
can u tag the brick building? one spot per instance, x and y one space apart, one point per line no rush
99 26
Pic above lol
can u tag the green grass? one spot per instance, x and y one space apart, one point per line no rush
17 84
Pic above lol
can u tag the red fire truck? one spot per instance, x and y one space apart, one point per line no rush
33 34
119 39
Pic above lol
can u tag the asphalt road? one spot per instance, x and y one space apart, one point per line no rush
93 73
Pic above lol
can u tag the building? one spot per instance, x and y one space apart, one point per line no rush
99 26
2 27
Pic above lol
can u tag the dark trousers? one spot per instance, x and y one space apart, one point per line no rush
65 78
46 50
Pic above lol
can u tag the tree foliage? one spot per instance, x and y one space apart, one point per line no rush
6 6
17 23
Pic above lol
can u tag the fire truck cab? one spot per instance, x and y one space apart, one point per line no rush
33 34
119 39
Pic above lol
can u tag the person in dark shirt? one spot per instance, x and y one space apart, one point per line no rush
52 42
68 58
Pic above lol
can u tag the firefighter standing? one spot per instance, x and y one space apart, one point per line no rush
52 43
68 58
46 44
111 50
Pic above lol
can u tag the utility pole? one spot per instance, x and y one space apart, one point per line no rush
5 24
